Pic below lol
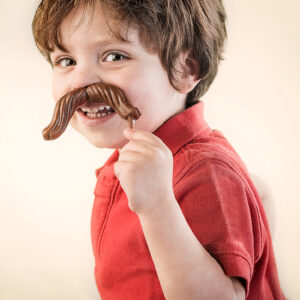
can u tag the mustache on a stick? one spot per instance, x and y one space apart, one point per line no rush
97 93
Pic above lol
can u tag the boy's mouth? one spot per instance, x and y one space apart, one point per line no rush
95 110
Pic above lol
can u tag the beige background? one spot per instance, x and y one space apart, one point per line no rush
46 188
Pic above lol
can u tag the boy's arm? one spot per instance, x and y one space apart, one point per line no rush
185 269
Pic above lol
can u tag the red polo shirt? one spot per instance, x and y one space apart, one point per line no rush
218 200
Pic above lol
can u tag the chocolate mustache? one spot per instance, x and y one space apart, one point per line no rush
99 93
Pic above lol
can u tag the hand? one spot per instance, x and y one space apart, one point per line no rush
145 171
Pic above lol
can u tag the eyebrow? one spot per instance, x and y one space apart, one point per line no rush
101 43
106 42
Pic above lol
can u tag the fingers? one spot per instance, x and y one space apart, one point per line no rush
130 156
141 135
136 146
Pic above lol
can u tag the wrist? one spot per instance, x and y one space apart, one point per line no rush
163 206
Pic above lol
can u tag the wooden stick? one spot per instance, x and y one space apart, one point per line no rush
131 122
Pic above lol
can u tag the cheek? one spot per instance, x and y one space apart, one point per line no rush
145 89
55 90
54 94
134 84
58 89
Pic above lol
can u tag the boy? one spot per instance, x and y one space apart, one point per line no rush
176 215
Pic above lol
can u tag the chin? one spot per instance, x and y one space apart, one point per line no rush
109 144
100 140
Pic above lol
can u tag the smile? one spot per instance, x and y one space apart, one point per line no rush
95 118
99 113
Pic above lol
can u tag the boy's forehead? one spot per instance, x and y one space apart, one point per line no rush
99 28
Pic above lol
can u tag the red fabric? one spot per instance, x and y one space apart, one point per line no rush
219 201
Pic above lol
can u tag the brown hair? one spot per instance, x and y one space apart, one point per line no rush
166 27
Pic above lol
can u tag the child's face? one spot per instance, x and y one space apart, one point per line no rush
95 56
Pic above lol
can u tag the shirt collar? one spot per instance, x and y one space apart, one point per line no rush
183 127
113 158
175 132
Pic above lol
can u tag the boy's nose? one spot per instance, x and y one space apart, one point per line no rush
85 77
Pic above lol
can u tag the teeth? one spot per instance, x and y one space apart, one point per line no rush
94 115
95 109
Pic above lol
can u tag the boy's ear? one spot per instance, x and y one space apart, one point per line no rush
186 74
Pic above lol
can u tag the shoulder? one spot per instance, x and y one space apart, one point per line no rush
216 173
213 185
208 155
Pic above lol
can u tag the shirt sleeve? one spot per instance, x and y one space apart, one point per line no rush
223 213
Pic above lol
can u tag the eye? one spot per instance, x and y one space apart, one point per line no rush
65 62
115 56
